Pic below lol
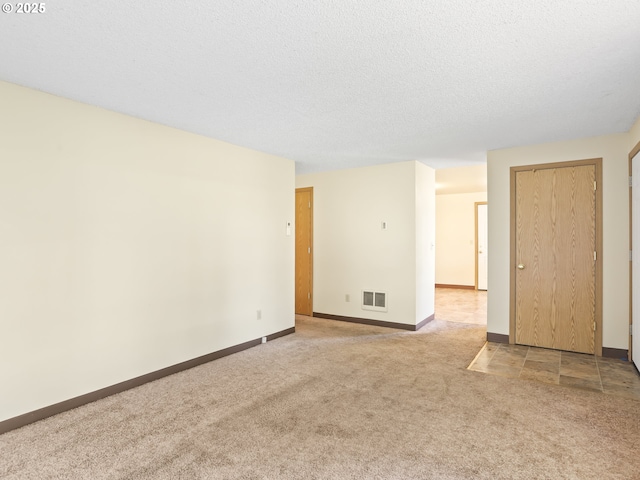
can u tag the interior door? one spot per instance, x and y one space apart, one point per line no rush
304 251
482 258
635 265
555 257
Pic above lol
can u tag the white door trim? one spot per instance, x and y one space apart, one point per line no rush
481 245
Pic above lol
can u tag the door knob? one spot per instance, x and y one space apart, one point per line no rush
520 266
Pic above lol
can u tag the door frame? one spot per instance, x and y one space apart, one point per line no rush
476 237
597 162
634 151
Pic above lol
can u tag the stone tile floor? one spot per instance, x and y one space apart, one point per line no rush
461 305
608 375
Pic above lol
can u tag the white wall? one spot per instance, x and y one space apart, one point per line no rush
127 247
425 205
353 252
455 238
614 150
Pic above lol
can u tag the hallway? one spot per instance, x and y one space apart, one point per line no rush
461 305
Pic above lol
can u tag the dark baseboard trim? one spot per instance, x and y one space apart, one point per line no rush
620 353
42 413
376 323
425 321
464 287
497 337
283 333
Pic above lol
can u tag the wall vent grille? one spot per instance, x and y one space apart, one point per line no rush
373 300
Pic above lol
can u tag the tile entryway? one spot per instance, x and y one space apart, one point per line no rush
608 375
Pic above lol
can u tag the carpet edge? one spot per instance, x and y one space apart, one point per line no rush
19 421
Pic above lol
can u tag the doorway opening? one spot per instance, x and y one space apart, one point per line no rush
482 246
634 240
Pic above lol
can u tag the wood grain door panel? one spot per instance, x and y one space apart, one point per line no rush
304 251
555 265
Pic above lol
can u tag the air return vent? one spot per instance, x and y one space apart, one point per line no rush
372 300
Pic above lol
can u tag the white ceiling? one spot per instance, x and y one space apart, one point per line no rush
334 84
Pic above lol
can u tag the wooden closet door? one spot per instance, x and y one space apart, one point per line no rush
555 270
304 251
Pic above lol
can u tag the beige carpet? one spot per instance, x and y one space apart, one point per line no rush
340 401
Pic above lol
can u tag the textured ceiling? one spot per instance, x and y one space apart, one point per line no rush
336 84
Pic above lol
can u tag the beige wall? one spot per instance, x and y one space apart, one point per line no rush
455 238
127 247
468 179
353 252
613 149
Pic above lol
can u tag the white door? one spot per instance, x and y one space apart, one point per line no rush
635 269
481 245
